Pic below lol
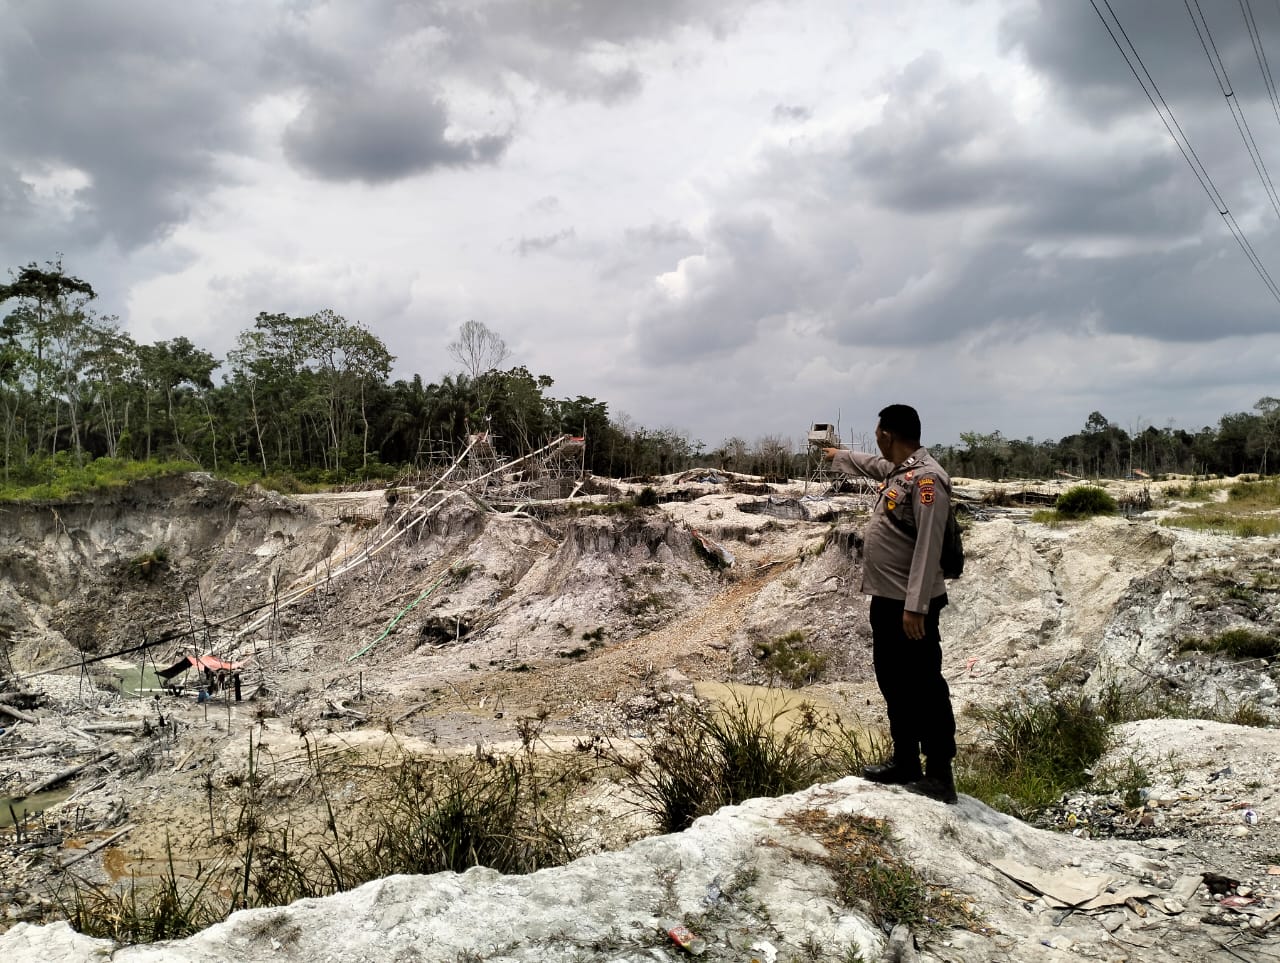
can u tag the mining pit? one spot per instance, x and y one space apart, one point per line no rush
364 629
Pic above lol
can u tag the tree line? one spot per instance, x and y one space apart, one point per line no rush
311 396
306 395
1241 442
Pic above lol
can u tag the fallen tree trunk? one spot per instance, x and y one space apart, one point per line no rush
20 716
66 774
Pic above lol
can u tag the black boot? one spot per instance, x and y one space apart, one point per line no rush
893 773
938 784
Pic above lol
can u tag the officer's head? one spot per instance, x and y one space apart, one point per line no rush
898 432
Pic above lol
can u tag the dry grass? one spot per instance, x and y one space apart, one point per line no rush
1252 510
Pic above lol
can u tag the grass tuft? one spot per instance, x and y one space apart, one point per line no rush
1083 501
703 757
1236 643
870 876
1033 752
788 659
168 908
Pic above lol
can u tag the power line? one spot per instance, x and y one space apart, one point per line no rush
1260 54
1233 102
1165 113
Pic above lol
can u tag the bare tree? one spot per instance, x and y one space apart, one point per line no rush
732 454
478 349
773 456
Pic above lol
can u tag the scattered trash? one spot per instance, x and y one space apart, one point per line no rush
1238 902
1250 817
768 953
685 938
1225 771
713 892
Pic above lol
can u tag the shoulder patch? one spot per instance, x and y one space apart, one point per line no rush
926 495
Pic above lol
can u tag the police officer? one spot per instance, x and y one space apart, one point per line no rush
902 574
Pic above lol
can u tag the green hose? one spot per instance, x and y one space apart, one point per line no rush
404 611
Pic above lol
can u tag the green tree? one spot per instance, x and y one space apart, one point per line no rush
45 330
309 380
589 418
176 379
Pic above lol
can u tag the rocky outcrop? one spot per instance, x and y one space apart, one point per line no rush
750 881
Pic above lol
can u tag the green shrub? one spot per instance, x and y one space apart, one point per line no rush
151 564
1256 494
1236 643
45 478
703 757
648 498
1033 752
1082 501
788 659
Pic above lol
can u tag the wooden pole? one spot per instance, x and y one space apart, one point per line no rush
100 844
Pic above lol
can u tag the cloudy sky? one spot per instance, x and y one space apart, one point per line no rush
726 216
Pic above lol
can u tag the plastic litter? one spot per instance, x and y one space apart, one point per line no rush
1250 817
685 938
714 892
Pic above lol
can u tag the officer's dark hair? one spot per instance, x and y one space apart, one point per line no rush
901 421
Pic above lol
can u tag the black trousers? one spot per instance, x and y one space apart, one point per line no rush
909 673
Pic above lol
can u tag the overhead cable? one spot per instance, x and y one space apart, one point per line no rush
1233 102
1260 54
1149 87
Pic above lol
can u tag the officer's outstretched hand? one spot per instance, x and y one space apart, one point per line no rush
829 453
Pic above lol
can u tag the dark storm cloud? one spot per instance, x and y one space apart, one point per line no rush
1117 236
990 226
572 25
379 136
17 199
150 99
1185 296
950 146
139 97
1068 43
